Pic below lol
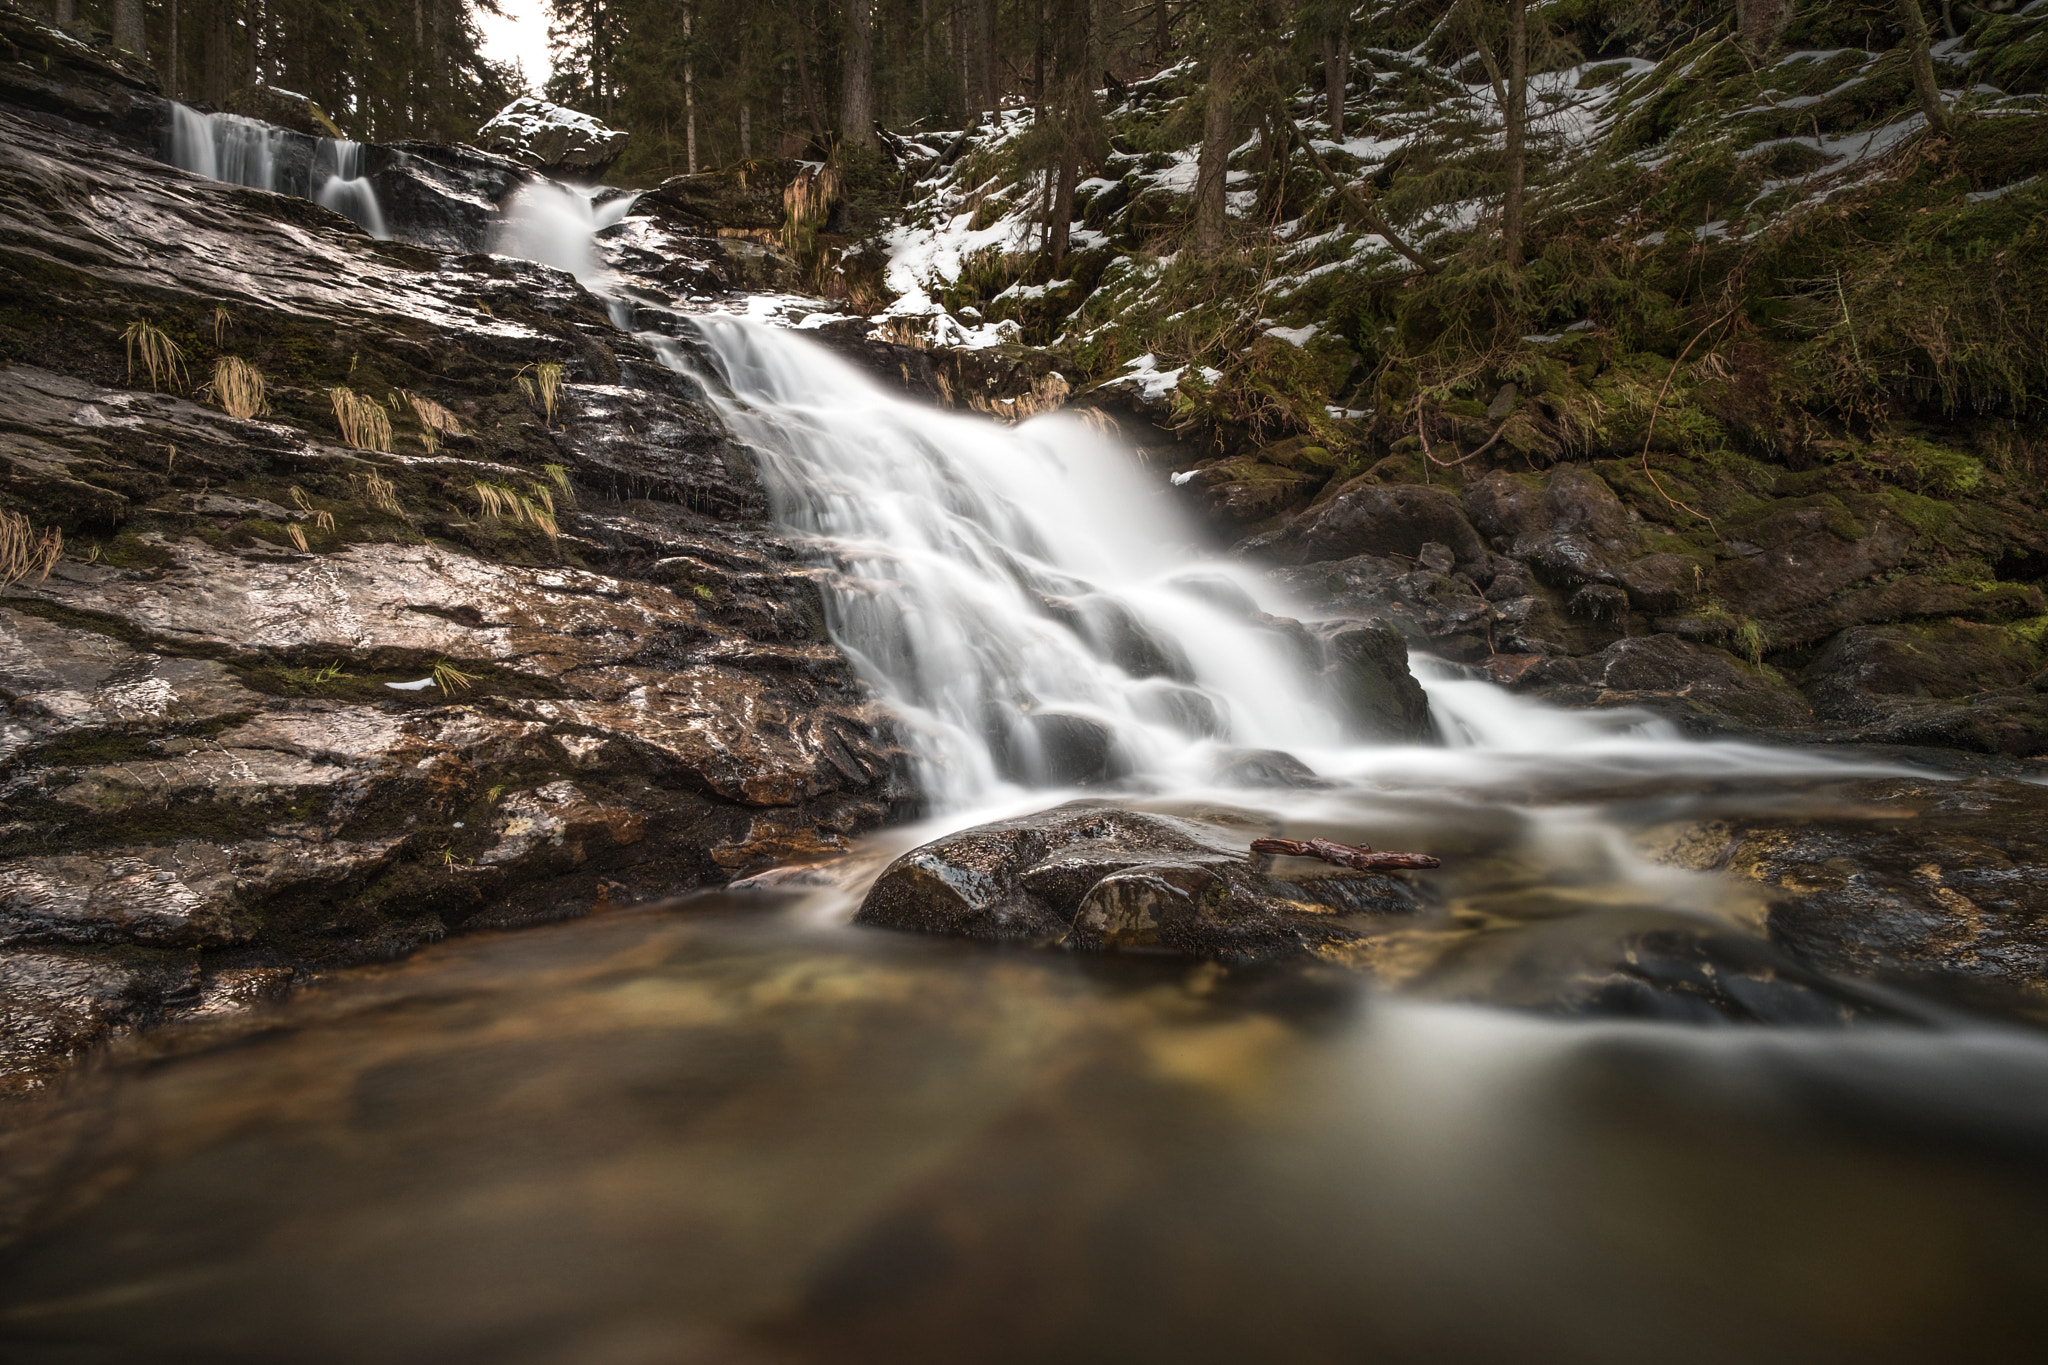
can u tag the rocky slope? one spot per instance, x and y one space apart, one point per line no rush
212 785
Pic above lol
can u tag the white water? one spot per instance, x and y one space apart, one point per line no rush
992 582
263 156
557 225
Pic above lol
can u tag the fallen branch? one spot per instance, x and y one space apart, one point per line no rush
1344 855
1349 192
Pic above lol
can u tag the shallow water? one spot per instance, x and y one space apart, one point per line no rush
736 1129
724 1131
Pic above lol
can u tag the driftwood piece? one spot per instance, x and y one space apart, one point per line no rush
1344 855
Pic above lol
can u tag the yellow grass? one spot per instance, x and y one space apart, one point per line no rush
23 551
363 421
238 387
162 358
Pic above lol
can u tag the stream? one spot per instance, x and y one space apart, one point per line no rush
738 1128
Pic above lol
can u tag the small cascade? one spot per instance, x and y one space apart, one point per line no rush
557 225
341 184
242 151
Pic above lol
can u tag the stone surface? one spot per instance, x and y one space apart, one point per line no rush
1928 883
285 108
204 775
1093 877
1376 519
550 138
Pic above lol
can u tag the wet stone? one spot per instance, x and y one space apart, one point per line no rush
1094 877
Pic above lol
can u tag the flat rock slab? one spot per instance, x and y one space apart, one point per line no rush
1095 877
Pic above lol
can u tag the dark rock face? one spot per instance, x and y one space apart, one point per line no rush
1922 882
210 788
746 196
1810 616
284 108
1366 671
1376 519
1093 877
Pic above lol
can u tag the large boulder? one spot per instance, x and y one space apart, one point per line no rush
1378 519
1953 684
1704 689
1095 877
1365 670
552 139
746 196
285 108
1570 527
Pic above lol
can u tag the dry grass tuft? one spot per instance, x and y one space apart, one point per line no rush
364 423
162 357
382 493
23 551
534 507
435 421
544 388
322 519
298 535
238 387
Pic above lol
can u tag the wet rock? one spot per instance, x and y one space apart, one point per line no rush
1376 519
1806 554
1661 583
55 1003
551 138
1095 877
1899 879
1241 494
1569 528
285 108
1954 684
1705 690
1266 768
1366 673
745 196
1058 748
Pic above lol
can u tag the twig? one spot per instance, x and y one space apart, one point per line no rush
1656 407
1357 856
1446 464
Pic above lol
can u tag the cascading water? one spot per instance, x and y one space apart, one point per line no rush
329 171
1038 615
557 225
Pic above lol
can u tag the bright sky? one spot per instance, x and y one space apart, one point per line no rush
519 35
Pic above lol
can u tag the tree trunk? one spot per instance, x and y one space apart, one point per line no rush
1162 30
252 30
129 35
746 132
216 52
857 107
1517 118
1923 66
64 11
1761 21
172 63
812 110
985 54
689 96
1336 75
1212 219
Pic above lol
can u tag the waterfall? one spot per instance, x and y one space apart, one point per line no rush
556 225
242 151
341 184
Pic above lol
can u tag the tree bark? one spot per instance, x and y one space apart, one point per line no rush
1212 172
1923 66
129 34
1516 116
985 54
171 64
252 30
1760 22
217 53
857 105
64 11
1336 74
689 95
812 110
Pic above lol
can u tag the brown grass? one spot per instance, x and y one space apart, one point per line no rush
435 421
238 387
162 358
24 551
363 421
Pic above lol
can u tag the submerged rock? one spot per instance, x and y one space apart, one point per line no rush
1095 877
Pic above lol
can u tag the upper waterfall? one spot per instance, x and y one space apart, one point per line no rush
329 171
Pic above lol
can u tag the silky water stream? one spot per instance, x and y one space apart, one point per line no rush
738 1129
